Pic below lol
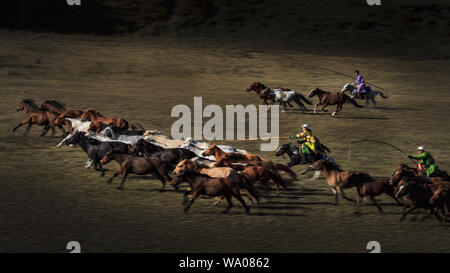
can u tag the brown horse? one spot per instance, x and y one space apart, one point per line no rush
404 171
331 98
245 182
261 175
259 88
136 165
202 184
34 115
92 115
339 179
61 118
224 159
375 188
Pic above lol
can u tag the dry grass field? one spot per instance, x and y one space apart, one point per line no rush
47 198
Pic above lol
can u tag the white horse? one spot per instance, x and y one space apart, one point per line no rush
370 95
78 126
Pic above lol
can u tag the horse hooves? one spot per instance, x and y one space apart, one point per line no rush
120 188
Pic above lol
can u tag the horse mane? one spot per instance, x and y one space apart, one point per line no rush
56 104
331 165
31 103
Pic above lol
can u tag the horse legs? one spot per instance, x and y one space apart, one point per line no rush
114 176
290 105
125 174
323 107
391 194
161 178
336 196
315 108
239 198
195 196
338 108
406 212
44 132
375 203
27 129
340 191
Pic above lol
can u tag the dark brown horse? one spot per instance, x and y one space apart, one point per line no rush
202 184
339 179
136 165
92 115
34 115
331 98
377 187
259 88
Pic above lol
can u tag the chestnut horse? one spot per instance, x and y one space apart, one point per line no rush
202 184
92 115
34 115
61 118
259 88
261 175
331 98
339 179
245 182
224 159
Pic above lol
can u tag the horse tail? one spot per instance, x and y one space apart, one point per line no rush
303 98
286 169
382 95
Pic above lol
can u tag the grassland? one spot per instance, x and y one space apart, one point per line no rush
48 198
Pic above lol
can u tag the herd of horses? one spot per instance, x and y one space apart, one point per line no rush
284 96
232 174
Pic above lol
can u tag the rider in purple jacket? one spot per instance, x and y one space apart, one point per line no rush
360 83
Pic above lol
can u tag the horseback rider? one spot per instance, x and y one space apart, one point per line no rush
361 87
426 166
311 147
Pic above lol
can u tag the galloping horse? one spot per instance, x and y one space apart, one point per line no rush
92 115
331 98
404 171
282 95
34 115
61 119
202 184
259 89
136 165
224 159
53 106
339 179
245 182
370 95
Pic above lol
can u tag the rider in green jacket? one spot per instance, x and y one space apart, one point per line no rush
426 164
